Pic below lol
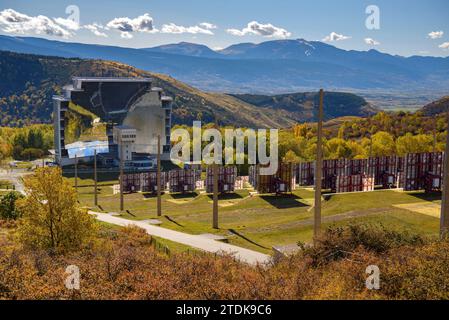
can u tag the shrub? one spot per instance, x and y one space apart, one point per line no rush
8 209
339 242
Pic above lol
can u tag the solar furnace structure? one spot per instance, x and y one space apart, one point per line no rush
89 109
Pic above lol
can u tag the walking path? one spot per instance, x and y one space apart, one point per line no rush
15 177
195 241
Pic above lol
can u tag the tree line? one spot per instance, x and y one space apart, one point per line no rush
386 133
26 143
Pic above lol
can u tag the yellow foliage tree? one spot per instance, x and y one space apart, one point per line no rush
52 218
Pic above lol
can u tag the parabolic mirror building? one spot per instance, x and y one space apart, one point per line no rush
120 118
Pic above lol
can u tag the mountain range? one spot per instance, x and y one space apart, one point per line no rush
28 83
271 67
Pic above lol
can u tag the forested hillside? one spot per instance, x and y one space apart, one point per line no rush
29 81
301 106
437 107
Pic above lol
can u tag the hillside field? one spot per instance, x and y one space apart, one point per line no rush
262 221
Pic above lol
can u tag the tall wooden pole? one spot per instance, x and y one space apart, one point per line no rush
122 204
435 135
95 179
215 196
215 186
318 171
76 172
158 177
444 218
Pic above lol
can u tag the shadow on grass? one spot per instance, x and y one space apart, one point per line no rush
131 214
151 195
226 196
284 201
432 196
183 195
172 220
241 236
111 177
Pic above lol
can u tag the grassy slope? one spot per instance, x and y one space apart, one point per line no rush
261 222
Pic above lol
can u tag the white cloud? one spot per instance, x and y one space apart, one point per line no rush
265 30
126 35
371 42
68 23
444 45
126 26
333 36
12 21
173 28
207 25
96 28
436 34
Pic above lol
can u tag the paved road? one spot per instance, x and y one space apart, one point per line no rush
195 241
15 176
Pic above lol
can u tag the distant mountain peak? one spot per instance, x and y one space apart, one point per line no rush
274 66
186 48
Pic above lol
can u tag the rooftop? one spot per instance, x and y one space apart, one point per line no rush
124 127
110 79
60 98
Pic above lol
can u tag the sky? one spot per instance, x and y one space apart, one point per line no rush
399 27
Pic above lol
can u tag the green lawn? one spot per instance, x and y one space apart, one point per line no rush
262 221
6 184
24 164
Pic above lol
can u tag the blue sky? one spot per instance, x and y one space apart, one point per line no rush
404 25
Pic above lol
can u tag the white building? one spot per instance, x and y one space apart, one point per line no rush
125 138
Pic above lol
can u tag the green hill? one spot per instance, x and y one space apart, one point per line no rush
301 106
28 83
436 107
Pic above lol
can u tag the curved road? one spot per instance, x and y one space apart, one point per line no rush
15 177
195 241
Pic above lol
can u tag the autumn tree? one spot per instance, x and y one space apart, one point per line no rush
52 218
383 144
8 209
291 157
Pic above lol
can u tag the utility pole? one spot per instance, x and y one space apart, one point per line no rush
215 187
95 178
122 206
318 171
158 177
435 134
215 196
76 172
444 218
